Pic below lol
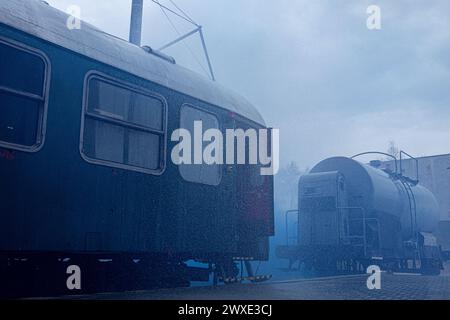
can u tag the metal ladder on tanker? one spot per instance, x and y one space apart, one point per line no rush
413 213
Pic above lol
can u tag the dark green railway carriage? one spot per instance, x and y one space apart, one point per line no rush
85 166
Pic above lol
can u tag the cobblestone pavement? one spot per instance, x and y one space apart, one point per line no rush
393 287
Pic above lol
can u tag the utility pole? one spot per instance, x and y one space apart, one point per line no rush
137 9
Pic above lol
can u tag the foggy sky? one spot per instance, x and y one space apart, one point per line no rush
314 70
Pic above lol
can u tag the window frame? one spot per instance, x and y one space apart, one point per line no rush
42 99
96 75
191 106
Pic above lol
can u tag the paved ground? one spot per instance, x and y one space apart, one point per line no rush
393 287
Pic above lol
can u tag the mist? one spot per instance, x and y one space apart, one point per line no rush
314 70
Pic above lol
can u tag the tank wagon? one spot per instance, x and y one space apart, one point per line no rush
352 215
85 171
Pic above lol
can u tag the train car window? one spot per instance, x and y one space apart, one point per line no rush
123 127
147 112
123 104
109 100
23 84
199 173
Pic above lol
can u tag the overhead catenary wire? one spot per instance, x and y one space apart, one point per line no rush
163 9
186 17
182 11
183 16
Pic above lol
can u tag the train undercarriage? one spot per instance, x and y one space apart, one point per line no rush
58 274
330 260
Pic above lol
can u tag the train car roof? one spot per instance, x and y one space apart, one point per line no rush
39 19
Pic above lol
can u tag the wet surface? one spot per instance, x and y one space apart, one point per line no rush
393 287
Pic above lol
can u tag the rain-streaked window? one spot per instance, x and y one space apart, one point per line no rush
123 127
23 81
199 173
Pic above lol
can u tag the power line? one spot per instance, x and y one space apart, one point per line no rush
182 11
185 17
178 32
181 38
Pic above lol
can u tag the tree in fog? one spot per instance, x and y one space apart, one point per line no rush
286 187
286 198
393 149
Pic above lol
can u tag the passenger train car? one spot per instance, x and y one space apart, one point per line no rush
85 168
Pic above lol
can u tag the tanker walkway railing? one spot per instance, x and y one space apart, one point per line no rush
363 238
364 220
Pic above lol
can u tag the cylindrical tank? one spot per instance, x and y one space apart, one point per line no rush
380 193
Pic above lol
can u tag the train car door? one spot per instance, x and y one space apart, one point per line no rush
208 194
254 204
319 221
